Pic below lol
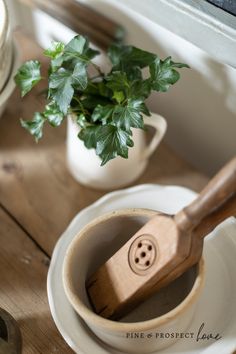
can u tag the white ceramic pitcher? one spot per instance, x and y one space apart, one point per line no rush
85 167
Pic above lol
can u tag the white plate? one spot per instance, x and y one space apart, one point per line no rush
217 306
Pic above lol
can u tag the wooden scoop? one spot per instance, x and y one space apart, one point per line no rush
164 248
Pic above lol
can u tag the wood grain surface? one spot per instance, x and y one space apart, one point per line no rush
38 199
22 289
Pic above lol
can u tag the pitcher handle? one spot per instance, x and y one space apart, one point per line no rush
160 125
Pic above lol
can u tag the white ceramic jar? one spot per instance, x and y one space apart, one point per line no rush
85 165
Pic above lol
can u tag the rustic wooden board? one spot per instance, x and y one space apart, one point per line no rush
23 289
35 185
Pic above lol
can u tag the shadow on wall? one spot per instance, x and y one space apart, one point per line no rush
200 109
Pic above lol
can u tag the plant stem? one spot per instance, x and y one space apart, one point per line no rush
80 104
92 84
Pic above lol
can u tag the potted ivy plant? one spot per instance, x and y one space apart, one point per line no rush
106 112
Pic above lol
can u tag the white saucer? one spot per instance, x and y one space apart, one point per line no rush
217 306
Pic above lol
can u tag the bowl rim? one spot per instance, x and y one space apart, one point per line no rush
4 22
10 84
7 66
91 317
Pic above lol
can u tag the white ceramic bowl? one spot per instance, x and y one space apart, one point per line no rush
6 46
3 22
170 311
10 84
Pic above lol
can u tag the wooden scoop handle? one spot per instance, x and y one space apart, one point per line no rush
203 229
216 217
217 191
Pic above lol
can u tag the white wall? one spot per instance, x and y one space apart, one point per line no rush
200 108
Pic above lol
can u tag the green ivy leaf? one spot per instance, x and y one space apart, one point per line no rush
119 84
61 90
28 75
111 142
79 76
55 50
126 57
129 116
118 96
134 73
138 57
78 48
163 74
76 45
108 140
63 82
53 114
35 126
103 90
88 135
56 63
143 108
115 53
141 89
179 65
117 81
102 113
98 89
81 120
